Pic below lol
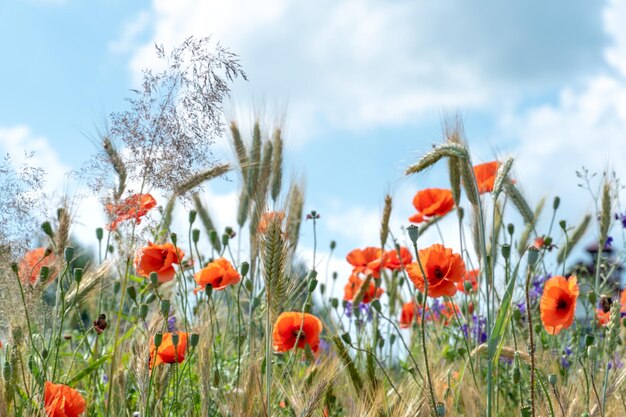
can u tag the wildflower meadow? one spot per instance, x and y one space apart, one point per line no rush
151 318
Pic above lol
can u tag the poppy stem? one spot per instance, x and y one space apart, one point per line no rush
532 345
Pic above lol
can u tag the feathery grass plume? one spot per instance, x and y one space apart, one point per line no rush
62 236
116 162
384 225
166 219
566 249
274 257
240 149
495 232
475 224
454 133
519 202
244 207
613 328
525 236
346 359
501 177
294 215
90 282
469 181
265 171
440 151
605 214
255 159
277 164
198 178
205 218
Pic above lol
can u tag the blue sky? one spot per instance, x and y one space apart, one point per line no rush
362 85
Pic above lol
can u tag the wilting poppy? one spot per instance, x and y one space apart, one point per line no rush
219 274
268 217
472 278
368 261
167 352
558 303
431 202
411 312
295 329
394 262
133 207
447 312
62 401
354 285
486 176
31 263
159 259
443 268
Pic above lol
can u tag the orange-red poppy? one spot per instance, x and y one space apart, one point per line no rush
443 268
159 259
31 263
622 301
219 274
368 261
62 401
134 207
447 311
268 217
472 278
354 285
394 262
603 316
558 303
486 176
410 313
431 202
167 352
295 329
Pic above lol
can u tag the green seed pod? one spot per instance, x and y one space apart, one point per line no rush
552 379
333 245
154 278
15 267
47 228
335 303
589 340
143 311
158 338
312 285
322 289
392 339
346 338
556 203
165 307
44 272
132 293
592 297
68 254
99 233
175 339
563 225
533 256
506 251
245 267
376 305
413 233
78 275
150 298
192 216
248 285
195 235
174 238
510 228
225 239
194 339
335 275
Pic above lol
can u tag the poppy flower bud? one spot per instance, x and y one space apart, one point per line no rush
556 203
99 233
132 293
312 285
225 239
335 275
150 298
158 338
165 307
322 289
563 224
552 379
346 338
192 216
175 339
517 314
174 238
468 286
78 275
111 249
420 298
506 251
43 273
47 252
376 305
413 233
334 302
44 353
208 289
143 311
255 302
592 297
47 228
230 232
510 228
213 236
195 235
392 339
589 339
533 256
194 339
248 285
68 254
14 267
154 278
245 267
333 245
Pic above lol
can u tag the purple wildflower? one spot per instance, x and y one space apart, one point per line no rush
622 218
477 332
364 310
609 241
171 324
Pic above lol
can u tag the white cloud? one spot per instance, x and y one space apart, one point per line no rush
128 39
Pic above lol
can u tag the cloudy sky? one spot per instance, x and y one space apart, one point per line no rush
361 84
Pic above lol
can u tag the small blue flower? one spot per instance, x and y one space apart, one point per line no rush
609 241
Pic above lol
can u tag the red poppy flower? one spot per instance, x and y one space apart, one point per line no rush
31 263
622 301
295 329
368 261
431 202
486 176
268 217
219 274
394 262
443 268
603 316
354 285
62 401
558 303
159 259
133 207
447 312
472 278
411 312
167 352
